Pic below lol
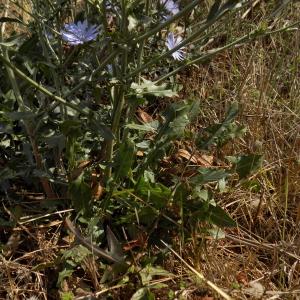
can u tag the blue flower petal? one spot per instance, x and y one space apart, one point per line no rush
171 6
79 33
171 43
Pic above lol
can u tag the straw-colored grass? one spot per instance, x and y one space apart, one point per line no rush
263 253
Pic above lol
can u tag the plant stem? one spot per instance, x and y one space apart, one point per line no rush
23 108
120 99
105 131
171 20
131 108
104 63
39 87
179 46
114 128
238 42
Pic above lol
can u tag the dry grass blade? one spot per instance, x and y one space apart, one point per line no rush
246 13
271 247
28 219
101 292
198 274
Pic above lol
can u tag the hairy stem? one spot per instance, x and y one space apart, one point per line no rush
171 20
238 42
120 100
23 108
179 46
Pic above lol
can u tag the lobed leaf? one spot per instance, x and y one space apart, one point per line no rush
156 193
149 87
245 165
124 159
218 130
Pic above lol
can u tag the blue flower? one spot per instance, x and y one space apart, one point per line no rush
172 42
171 6
79 33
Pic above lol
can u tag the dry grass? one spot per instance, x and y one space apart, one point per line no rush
264 78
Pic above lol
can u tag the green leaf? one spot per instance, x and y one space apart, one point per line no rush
149 272
213 214
143 294
209 175
71 128
30 49
219 217
67 296
193 109
226 134
156 193
160 286
65 273
144 127
253 185
81 195
124 159
177 117
182 192
147 215
201 194
246 164
102 129
235 131
56 141
149 87
217 130
76 255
